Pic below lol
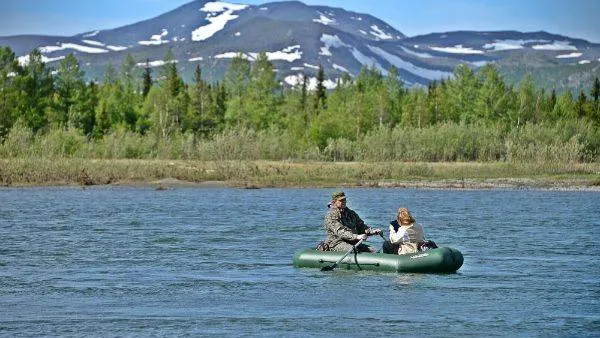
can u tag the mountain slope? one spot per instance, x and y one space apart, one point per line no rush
298 38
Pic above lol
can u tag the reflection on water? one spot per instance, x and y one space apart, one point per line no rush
199 262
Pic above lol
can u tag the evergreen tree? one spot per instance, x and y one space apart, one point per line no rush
171 79
147 79
595 93
595 104
129 98
304 92
196 108
320 91
581 105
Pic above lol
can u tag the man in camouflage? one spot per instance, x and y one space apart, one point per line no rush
344 226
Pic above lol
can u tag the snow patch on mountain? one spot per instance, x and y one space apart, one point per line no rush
116 48
500 45
296 80
79 48
24 60
156 39
556 45
340 68
568 56
308 65
219 14
89 35
417 54
288 54
199 58
231 55
584 62
93 43
367 61
324 20
380 34
156 63
100 44
457 49
330 41
430 74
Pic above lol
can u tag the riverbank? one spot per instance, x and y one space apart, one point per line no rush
19 172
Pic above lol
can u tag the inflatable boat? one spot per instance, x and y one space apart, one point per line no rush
439 260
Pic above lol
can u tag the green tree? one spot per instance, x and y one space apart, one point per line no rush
595 94
415 110
35 96
320 91
129 86
82 115
69 87
527 99
581 106
463 92
198 93
172 82
237 79
147 79
10 77
491 102
262 94
564 109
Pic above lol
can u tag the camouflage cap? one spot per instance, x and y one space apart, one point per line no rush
338 195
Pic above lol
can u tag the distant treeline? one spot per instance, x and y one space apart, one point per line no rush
140 112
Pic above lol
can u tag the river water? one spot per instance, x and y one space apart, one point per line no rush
131 261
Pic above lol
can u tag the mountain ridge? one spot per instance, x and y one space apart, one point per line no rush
299 37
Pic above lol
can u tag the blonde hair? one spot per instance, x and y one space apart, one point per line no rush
404 217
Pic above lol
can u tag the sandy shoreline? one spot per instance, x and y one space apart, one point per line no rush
163 174
467 184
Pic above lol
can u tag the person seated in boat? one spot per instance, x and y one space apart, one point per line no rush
344 227
406 235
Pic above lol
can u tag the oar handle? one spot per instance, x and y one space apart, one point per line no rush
349 251
331 267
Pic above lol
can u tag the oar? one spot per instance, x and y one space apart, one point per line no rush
331 267
384 239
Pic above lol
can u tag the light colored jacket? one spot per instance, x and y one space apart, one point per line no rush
407 237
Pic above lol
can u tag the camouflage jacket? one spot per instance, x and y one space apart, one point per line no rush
344 226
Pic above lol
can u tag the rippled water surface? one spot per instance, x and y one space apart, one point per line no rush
124 261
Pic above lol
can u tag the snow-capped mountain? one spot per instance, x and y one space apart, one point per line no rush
298 38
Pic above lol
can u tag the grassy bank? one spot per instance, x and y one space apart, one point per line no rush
78 171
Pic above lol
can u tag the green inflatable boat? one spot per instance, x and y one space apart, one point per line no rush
439 260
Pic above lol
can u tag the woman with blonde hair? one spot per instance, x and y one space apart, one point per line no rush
405 234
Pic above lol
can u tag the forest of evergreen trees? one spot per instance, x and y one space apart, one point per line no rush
143 112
